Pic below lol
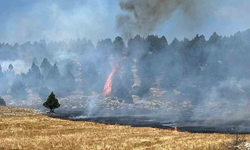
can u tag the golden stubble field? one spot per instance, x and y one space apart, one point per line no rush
34 132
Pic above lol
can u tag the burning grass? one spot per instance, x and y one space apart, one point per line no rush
42 132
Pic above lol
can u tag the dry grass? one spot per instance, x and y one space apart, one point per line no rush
41 132
6 111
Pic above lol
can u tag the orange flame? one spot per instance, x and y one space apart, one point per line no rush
173 130
108 85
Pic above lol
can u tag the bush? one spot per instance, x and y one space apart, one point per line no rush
2 102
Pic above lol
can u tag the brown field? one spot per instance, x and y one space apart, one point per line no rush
41 132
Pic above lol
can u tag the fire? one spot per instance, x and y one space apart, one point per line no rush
175 129
108 85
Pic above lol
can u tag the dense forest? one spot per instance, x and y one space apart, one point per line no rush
216 68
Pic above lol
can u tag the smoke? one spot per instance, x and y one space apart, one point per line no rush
196 77
58 20
146 15
31 20
19 66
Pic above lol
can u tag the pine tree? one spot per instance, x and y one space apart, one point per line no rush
53 78
11 67
119 48
52 102
120 91
34 76
2 102
54 73
34 61
45 67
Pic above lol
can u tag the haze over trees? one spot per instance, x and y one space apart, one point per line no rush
2 102
200 69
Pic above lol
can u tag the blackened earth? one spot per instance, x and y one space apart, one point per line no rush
183 125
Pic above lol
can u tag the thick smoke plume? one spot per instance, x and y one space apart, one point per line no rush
146 15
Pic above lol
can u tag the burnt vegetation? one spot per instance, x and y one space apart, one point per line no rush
195 67
237 142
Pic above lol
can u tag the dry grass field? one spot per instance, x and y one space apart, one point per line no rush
34 132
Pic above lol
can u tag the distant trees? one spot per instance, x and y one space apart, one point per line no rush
53 77
3 87
67 84
119 45
10 67
54 73
45 67
89 74
18 89
10 75
104 47
34 61
2 102
34 77
120 90
8 52
51 103
187 65
136 47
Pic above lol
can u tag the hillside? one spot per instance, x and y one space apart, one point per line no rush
23 129
6 111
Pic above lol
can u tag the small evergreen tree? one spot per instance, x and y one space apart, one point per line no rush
52 102
2 102
10 67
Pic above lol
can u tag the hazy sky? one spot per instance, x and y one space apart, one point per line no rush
29 20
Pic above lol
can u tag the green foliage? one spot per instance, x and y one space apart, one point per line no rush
52 102
2 102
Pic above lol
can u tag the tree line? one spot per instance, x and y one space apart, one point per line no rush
195 67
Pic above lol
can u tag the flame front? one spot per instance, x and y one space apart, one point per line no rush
108 85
